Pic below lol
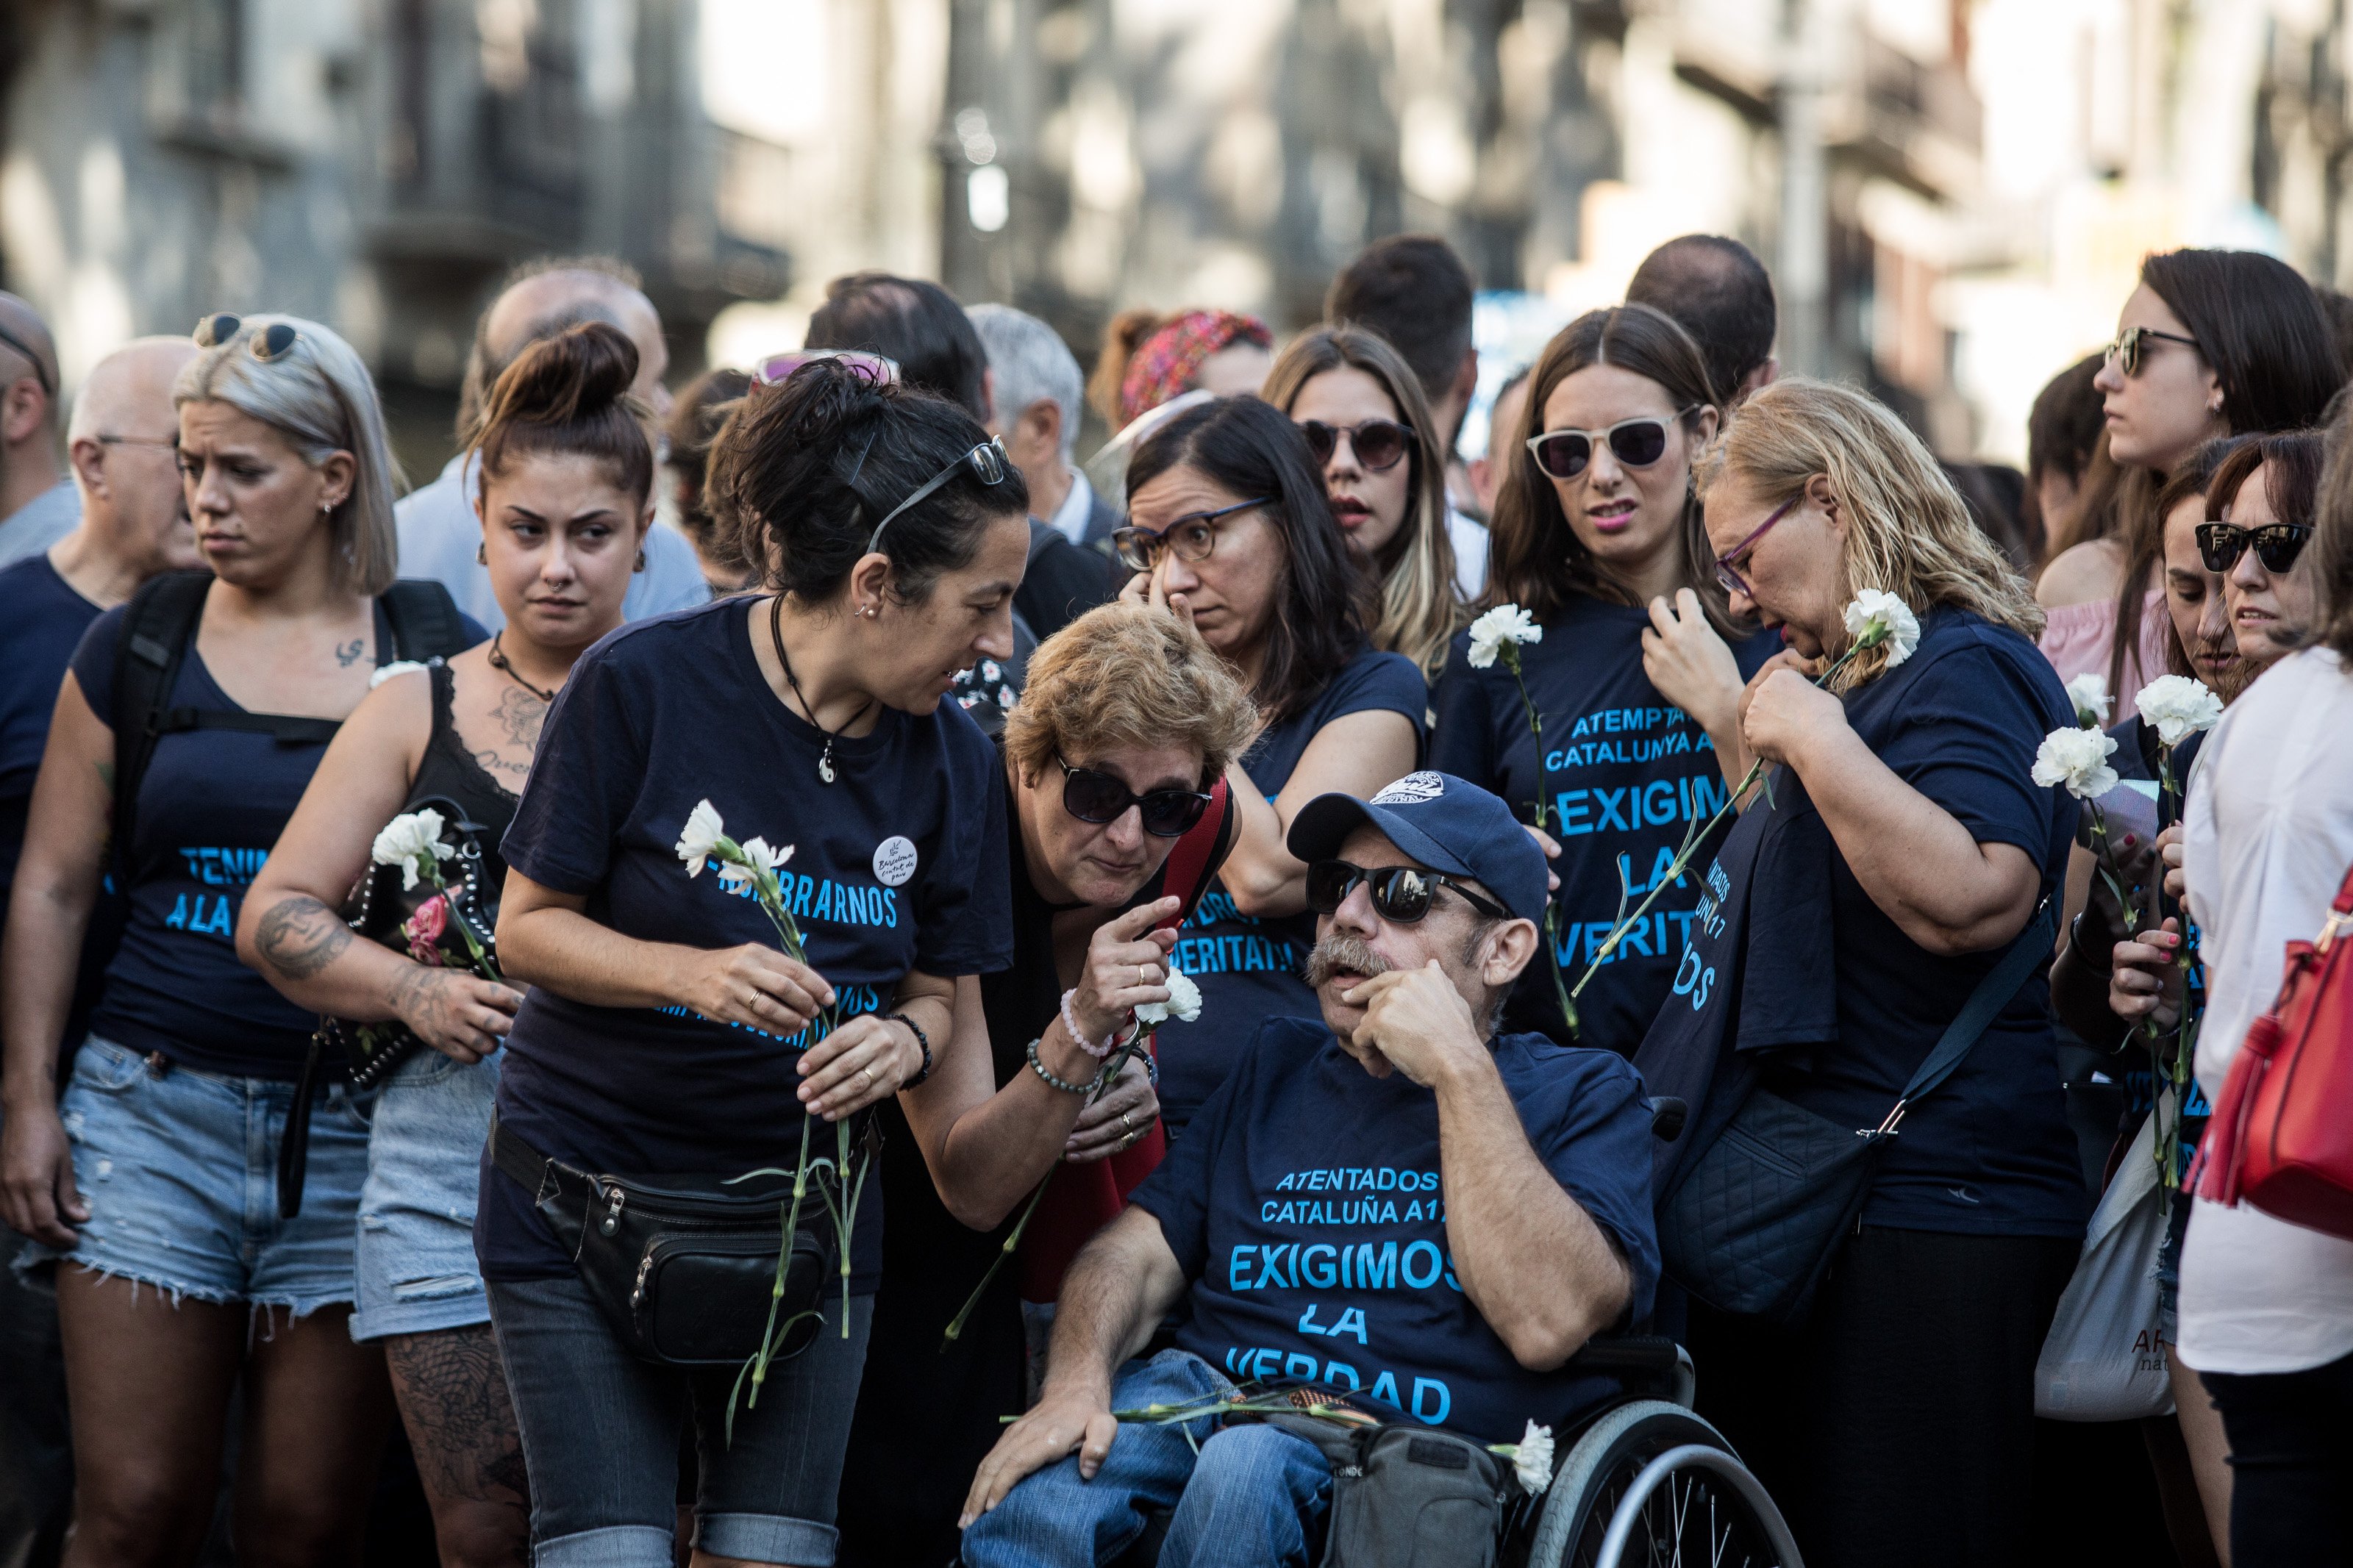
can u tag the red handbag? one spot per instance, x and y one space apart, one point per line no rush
2282 1133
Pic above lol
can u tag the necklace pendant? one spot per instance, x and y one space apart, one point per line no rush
825 764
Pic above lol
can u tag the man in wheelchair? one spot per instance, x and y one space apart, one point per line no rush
1397 1201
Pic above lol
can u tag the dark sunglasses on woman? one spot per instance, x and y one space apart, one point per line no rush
2132 345
1379 444
1192 536
1637 443
1098 797
273 343
2277 544
1400 894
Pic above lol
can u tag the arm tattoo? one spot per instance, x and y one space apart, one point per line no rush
348 654
300 936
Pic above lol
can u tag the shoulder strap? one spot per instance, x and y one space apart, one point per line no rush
157 629
2028 952
1197 855
425 620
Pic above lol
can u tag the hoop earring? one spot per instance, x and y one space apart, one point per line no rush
483 553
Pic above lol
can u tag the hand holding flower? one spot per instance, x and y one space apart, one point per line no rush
1107 1125
754 985
2145 982
2169 855
1127 967
1786 715
869 1059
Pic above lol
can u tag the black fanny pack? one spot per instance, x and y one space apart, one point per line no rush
684 1267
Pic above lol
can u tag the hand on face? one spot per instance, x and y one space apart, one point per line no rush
1785 713
1228 596
1415 1022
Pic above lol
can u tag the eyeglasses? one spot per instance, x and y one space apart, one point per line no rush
40 366
986 462
1098 797
272 343
1379 444
2130 344
881 369
1400 894
1192 536
169 443
2277 544
1637 443
1724 571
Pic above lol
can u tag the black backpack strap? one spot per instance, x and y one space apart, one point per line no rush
426 623
157 630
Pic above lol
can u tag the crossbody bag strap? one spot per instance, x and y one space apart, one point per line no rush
1993 993
1197 855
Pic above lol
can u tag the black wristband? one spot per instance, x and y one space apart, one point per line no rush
2104 964
921 1039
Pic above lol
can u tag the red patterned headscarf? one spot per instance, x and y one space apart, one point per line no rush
1165 363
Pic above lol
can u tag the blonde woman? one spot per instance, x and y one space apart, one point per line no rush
1904 850
153 1181
1371 431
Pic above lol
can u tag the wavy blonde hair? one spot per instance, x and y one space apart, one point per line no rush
1420 610
1128 675
1907 530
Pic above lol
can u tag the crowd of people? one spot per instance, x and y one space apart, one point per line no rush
783 974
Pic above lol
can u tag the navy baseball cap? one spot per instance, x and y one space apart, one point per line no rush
1448 824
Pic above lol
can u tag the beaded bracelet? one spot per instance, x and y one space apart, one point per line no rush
1043 1070
922 1039
1078 1036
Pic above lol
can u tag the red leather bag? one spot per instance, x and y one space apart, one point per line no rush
2282 1133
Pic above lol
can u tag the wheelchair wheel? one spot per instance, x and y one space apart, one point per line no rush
1651 1484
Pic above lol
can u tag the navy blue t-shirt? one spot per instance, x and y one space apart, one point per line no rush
211 806
1623 773
1804 968
1307 1208
897 865
41 623
1248 967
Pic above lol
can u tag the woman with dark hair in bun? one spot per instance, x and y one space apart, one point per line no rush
667 1041
567 476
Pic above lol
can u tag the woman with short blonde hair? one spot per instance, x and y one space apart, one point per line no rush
1128 720
1883 892
1370 428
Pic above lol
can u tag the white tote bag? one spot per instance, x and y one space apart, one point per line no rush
2104 1357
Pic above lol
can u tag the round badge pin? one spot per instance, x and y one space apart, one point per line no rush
894 861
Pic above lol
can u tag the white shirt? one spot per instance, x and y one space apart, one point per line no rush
2267 836
440 536
1470 542
1071 518
40 522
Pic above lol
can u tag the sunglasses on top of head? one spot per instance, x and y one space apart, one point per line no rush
1637 443
1401 895
987 463
879 370
272 343
2276 545
1094 796
1379 444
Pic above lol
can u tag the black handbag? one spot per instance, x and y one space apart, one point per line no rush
1407 1496
684 1267
1752 1226
379 908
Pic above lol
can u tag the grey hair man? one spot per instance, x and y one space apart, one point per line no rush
38 507
1038 397
441 537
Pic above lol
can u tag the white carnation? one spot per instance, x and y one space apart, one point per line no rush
2178 707
757 865
2077 758
1183 999
1505 624
702 836
1532 1458
409 837
1876 617
2089 694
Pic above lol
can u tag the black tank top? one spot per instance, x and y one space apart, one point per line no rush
449 772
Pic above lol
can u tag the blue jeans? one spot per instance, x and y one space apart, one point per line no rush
601 1429
1250 1496
415 1252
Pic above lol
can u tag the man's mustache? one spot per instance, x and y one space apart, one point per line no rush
1342 955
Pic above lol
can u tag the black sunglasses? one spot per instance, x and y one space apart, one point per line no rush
1637 443
2132 343
1099 798
1192 536
986 462
1379 444
2277 544
274 341
1400 894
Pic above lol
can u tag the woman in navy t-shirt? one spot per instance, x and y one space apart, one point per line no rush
666 1034
154 1180
1904 849
1228 527
1638 679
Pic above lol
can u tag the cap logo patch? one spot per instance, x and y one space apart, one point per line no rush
1411 788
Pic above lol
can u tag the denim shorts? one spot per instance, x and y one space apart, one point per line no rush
180 1171
417 1267
601 1431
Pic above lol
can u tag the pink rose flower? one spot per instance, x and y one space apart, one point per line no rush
424 930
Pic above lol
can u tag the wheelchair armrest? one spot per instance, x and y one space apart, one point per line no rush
1668 1115
1653 1355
